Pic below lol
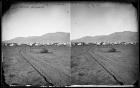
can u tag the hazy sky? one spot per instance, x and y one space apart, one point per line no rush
81 19
91 19
36 19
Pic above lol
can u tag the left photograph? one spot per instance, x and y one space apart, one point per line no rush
36 44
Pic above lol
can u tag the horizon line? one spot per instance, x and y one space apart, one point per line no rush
66 32
101 35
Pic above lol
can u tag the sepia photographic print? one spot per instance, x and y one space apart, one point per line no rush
69 44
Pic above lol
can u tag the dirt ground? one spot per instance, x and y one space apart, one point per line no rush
78 65
22 66
94 65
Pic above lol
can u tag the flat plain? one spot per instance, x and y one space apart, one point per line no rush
95 65
25 65
76 65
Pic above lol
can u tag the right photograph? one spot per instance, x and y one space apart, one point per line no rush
104 44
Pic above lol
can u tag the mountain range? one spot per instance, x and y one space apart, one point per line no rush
126 36
46 38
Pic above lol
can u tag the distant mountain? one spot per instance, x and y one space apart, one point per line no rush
126 36
46 38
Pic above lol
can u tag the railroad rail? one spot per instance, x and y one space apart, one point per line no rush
109 71
51 74
50 84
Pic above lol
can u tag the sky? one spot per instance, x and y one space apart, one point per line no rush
80 19
23 20
92 19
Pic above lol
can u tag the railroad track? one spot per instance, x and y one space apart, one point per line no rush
118 70
102 64
50 84
45 64
109 71
51 75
